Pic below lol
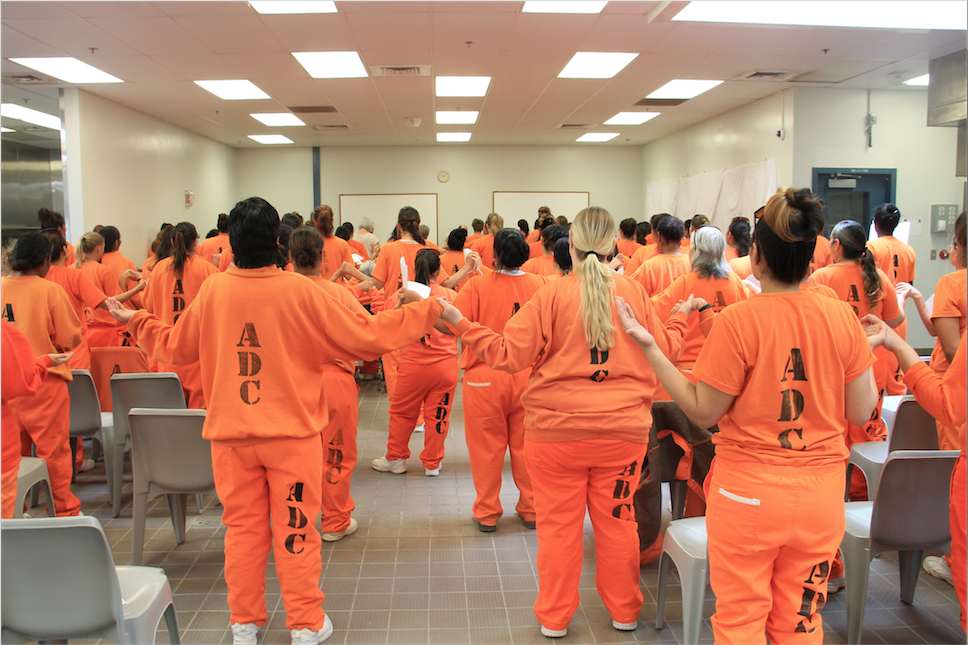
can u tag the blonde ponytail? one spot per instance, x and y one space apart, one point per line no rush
593 234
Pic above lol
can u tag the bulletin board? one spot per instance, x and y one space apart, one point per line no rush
513 206
383 209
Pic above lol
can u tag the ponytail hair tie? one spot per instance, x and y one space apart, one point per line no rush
587 253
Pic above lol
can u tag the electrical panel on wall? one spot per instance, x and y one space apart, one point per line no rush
943 217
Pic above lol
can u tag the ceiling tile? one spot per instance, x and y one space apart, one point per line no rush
466 62
391 30
550 32
200 67
475 7
73 36
232 34
109 9
153 36
312 32
16 44
486 31
279 65
181 8
132 69
383 7
623 33
34 10
697 38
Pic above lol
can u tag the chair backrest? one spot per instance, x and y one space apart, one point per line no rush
168 444
59 579
107 361
911 501
85 406
151 390
913 428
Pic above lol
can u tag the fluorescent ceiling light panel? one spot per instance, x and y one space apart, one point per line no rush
21 113
552 6
296 6
683 89
67 69
919 81
270 139
2 129
596 64
888 14
332 64
459 117
278 119
597 137
631 118
462 85
453 136
233 90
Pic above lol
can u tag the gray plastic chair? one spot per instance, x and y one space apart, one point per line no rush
33 471
912 429
85 407
909 514
59 581
171 458
685 544
146 390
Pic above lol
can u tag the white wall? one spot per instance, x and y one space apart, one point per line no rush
612 175
742 136
136 170
281 175
830 134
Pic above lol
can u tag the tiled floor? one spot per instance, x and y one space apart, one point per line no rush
418 571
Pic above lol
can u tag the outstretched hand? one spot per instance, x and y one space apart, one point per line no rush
878 332
451 314
633 327
119 311
60 359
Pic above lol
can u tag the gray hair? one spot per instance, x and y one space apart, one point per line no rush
367 223
708 245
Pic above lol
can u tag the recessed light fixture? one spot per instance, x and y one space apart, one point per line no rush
631 118
296 6
596 64
68 69
270 139
278 119
233 90
919 81
597 137
683 89
332 64
888 14
444 137
21 113
2 129
552 6
462 85
458 117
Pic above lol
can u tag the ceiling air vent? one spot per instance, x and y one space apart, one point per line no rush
313 109
574 126
329 128
764 76
657 103
22 78
400 70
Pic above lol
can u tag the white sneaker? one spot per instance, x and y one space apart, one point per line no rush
431 473
384 465
554 633
835 584
309 637
86 466
625 627
244 633
420 428
337 536
937 567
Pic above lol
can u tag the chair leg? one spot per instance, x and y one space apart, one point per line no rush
118 468
200 500
140 512
35 496
172 620
95 448
909 566
857 562
693 581
661 593
178 507
109 468
850 472
49 493
678 491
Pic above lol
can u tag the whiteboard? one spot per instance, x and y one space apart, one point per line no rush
384 209
524 205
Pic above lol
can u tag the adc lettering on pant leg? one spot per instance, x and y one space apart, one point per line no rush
297 520
334 459
441 415
623 492
813 601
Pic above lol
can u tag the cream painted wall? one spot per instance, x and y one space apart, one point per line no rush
136 170
612 175
830 134
281 175
741 136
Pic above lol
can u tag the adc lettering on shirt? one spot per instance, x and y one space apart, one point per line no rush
599 358
249 365
297 519
178 300
8 313
853 296
792 401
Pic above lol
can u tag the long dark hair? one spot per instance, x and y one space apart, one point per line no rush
425 265
853 242
786 234
183 237
740 230
306 247
409 220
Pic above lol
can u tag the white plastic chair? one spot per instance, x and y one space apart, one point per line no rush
171 458
85 407
909 514
685 545
59 581
33 471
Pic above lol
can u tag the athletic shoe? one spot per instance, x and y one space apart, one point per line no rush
528 524
384 465
86 466
339 535
835 584
420 428
554 633
431 472
488 528
309 637
625 627
244 633
937 567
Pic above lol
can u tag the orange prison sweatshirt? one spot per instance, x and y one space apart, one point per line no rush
211 246
658 273
544 265
893 257
43 312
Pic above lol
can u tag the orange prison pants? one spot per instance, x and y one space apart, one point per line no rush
10 464
494 425
103 336
391 370
46 418
277 479
569 477
957 516
433 386
191 381
339 447
773 532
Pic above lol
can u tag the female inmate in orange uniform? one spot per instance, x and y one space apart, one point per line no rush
124 270
216 245
335 250
738 240
493 413
658 272
587 419
102 329
545 264
788 366
54 221
43 312
266 406
427 376
484 246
